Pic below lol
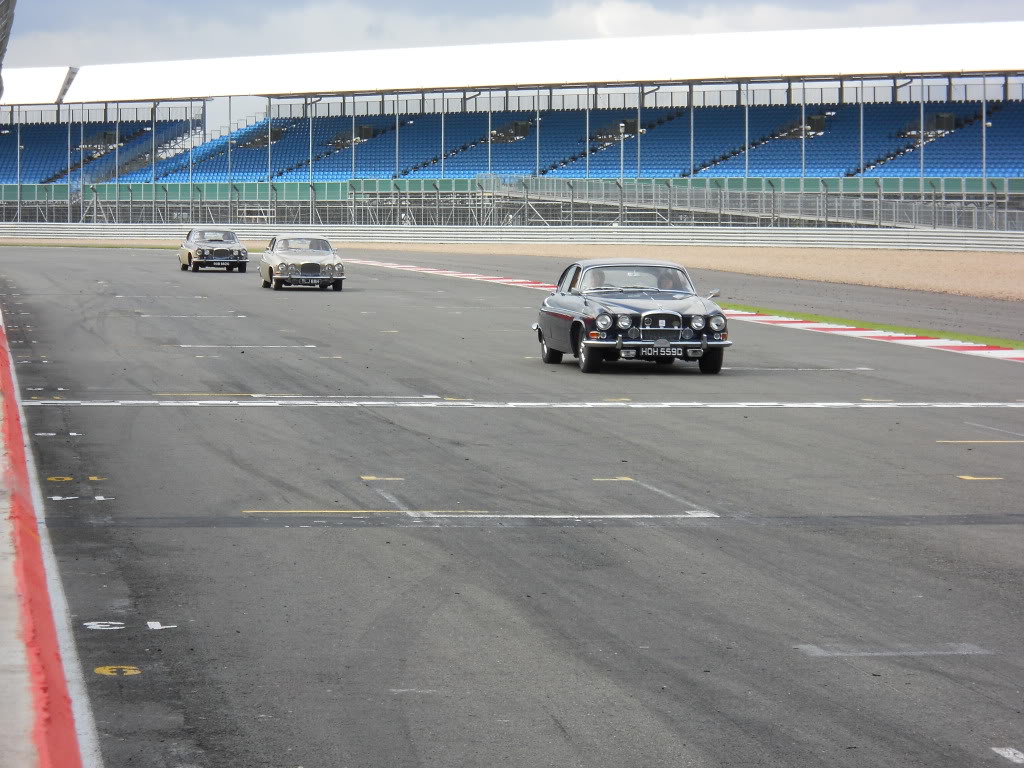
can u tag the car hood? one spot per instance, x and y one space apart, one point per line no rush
221 243
638 302
319 257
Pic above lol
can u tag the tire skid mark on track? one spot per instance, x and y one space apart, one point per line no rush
871 334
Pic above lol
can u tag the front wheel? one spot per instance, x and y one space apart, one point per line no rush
242 267
184 267
194 264
547 354
339 285
589 359
711 360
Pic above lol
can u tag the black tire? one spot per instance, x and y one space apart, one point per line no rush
193 264
184 267
664 360
547 354
278 284
589 359
324 286
711 360
230 268
339 285
242 267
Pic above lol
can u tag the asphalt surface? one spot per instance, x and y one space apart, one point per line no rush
258 583
908 309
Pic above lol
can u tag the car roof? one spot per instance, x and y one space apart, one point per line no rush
303 235
585 263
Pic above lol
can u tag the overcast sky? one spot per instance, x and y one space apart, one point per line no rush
77 32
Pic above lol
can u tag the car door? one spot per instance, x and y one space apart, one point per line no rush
556 314
267 259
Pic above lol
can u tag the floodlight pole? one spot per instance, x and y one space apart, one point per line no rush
230 198
270 173
803 132
586 142
639 112
746 132
622 153
536 151
690 100
444 105
117 162
490 133
81 162
397 145
861 89
353 143
191 142
152 161
70 116
984 144
18 136
310 110
920 136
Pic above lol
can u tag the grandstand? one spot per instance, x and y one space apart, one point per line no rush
958 136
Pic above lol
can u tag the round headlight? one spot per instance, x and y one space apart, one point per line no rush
328 269
697 322
624 321
604 322
717 322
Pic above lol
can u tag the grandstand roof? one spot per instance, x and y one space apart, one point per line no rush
876 51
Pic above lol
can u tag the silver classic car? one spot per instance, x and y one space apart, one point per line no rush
301 260
212 247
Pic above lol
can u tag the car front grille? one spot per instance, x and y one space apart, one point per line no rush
660 326
310 269
222 253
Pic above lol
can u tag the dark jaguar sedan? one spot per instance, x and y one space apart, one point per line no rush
212 247
631 310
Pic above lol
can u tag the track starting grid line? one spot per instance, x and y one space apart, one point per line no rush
871 334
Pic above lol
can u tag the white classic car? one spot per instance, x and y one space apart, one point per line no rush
301 260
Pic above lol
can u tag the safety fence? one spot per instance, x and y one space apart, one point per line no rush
800 237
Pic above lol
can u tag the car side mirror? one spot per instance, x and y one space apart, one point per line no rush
714 294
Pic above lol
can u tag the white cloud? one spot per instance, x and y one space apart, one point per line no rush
327 26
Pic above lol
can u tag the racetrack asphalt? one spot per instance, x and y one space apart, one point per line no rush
296 575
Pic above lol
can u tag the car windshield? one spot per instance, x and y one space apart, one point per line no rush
304 244
216 236
646 278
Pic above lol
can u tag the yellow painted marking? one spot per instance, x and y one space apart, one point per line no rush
362 511
979 441
457 399
96 478
60 479
875 400
620 479
971 477
374 477
618 399
118 670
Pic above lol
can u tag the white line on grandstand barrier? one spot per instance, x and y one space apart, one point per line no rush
474 404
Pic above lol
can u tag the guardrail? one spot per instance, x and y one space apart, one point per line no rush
764 237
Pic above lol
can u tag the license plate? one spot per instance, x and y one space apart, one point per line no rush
663 351
311 281
220 263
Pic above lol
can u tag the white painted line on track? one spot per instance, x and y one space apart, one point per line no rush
947 649
1011 754
197 317
994 429
473 404
626 516
677 499
244 346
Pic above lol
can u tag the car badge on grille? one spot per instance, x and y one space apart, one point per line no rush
661 323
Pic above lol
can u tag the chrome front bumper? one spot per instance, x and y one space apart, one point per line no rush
637 344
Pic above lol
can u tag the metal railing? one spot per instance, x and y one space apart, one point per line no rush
800 237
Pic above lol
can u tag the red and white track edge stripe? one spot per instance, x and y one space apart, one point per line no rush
64 730
871 334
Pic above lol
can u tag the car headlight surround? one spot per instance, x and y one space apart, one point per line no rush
717 323
624 322
604 322
697 322
293 269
